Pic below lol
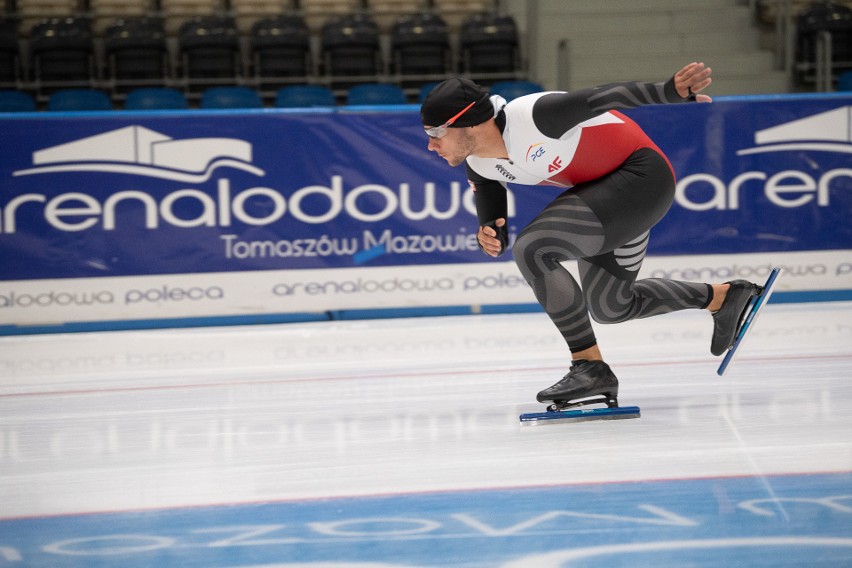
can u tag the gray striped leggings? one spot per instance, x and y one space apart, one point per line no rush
604 225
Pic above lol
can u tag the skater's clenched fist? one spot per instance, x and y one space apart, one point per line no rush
493 237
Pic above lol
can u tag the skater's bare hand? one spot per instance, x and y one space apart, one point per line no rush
693 79
488 239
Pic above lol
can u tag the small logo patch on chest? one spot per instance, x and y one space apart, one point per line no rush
555 165
506 173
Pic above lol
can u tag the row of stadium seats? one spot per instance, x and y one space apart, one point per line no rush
768 10
236 97
245 12
812 19
280 50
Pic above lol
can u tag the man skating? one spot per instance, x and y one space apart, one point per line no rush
618 184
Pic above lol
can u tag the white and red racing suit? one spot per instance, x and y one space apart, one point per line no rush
619 185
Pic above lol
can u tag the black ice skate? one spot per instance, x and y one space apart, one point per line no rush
587 382
729 318
752 310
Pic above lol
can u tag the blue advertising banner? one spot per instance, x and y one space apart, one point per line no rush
123 194
93 206
756 174
133 194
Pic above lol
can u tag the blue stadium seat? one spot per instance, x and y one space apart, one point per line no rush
16 101
426 89
844 82
376 94
154 98
230 97
510 90
301 96
78 99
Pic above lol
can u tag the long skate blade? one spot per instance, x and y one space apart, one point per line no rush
757 306
581 415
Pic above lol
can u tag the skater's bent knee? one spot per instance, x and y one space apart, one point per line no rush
608 317
519 247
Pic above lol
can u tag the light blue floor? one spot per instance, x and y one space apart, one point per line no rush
777 521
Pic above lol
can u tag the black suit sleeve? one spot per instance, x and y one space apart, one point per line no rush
492 203
489 196
557 113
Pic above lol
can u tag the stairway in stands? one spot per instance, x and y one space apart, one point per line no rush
617 40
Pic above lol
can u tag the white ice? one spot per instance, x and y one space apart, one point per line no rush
147 419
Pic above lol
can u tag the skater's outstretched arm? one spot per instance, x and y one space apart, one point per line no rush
684 86
556 113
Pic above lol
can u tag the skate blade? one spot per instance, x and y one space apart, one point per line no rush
608 399
581 415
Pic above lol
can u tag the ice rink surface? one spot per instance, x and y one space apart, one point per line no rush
390 443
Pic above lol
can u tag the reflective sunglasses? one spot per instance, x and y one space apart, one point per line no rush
441 131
